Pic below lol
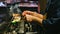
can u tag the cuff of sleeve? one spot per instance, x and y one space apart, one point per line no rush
46 23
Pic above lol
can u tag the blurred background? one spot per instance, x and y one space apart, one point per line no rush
23 4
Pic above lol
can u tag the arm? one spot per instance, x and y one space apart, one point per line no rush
53 19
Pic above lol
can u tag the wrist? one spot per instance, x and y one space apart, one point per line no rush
39 20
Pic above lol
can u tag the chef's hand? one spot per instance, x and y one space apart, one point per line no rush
30 16
33 14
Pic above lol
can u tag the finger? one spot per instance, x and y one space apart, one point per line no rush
29 18
27 12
